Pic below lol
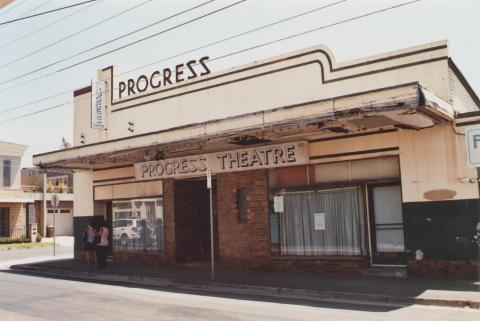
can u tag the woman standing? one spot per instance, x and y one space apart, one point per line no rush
102 246
89 242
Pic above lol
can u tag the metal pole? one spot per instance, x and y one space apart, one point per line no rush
44 210
212 253
54 231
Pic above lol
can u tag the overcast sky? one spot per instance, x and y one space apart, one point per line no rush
418 23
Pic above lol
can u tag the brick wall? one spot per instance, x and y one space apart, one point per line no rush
243 245
39 217
17 219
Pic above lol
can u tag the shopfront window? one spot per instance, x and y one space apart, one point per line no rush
138 225
326 222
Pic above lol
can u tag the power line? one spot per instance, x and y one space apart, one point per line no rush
45 12
49 25
234 36
192 50
104 43
255 47
29 10
13 7
124 46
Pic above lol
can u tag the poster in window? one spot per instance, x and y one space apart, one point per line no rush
278 204
319 220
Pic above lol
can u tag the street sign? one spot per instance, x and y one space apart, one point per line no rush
55 200
472 139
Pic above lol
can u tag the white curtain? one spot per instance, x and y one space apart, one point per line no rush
344 232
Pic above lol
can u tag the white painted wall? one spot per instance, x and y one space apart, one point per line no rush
83 194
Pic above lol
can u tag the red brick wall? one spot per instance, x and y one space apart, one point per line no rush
39 217
243 245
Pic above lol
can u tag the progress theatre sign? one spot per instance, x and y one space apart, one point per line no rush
288 154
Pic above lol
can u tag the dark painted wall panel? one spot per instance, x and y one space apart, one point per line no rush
442 230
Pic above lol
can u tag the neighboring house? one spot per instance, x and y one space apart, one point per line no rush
25 197
13 201
35 180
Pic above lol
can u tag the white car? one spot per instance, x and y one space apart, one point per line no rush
125 229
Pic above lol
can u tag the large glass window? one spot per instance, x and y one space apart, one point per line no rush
326 222
138 225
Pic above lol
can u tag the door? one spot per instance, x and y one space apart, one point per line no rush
386 219
63 221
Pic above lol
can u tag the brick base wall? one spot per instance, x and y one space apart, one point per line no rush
443 269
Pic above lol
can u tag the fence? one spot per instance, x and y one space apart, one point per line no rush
14 232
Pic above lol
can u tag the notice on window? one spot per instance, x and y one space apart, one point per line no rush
278 204
319 220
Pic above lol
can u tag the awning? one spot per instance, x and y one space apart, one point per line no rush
408 106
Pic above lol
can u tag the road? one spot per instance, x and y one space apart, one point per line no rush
29 298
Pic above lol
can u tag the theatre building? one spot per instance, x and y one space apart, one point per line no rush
316 165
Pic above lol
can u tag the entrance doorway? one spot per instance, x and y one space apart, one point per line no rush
386 221
192 220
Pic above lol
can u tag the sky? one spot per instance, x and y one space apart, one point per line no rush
62 31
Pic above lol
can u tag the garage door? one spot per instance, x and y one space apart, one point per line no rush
63 221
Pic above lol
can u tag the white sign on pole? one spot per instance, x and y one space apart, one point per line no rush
98 105
319 220
55 200
278 204
472 138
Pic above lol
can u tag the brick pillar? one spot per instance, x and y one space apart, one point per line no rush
243 245
169 219
40 217
17 220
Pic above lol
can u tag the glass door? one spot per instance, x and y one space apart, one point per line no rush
388 246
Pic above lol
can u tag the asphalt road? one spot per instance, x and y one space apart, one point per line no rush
28 298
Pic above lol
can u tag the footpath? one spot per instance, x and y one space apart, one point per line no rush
279 285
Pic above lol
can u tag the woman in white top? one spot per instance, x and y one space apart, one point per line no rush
102 246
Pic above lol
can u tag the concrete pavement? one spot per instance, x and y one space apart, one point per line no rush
38 254
37 298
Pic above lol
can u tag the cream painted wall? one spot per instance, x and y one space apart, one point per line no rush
114 173
432 160
83 193
286 82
